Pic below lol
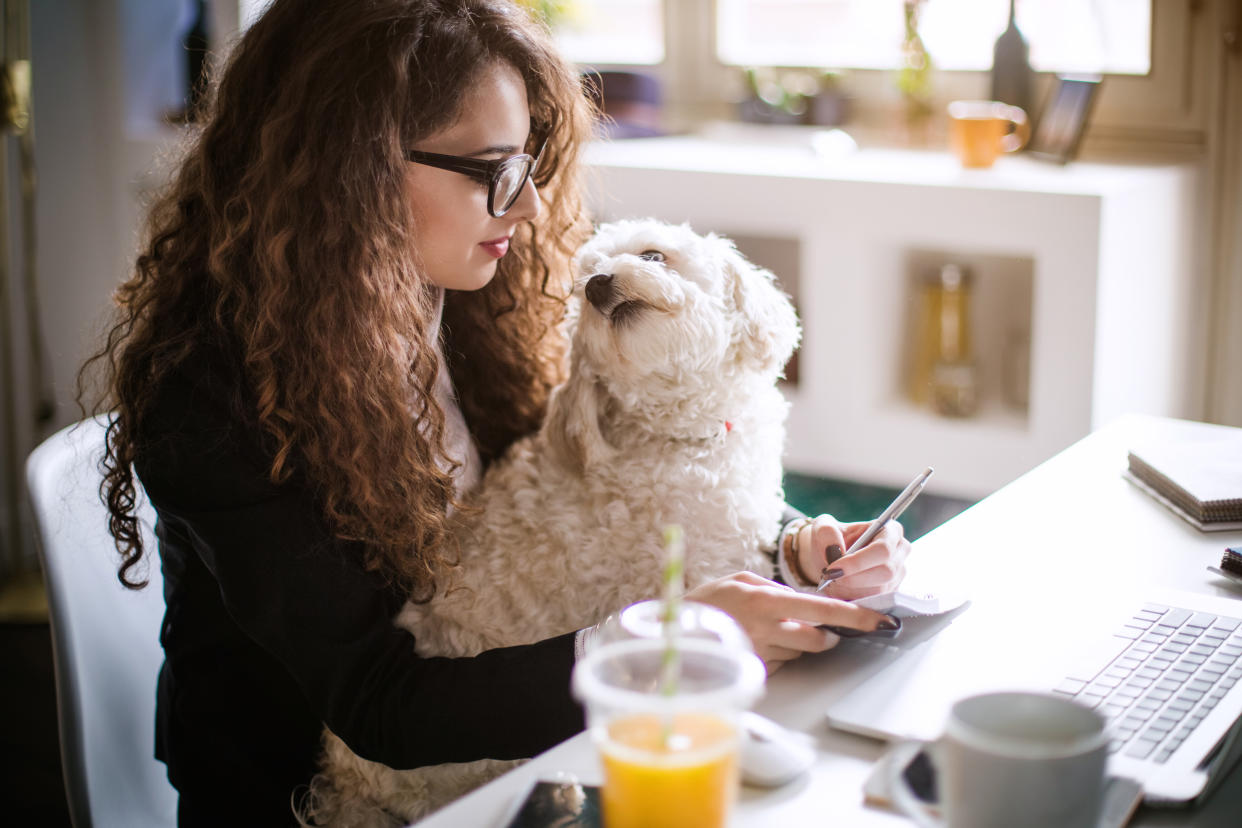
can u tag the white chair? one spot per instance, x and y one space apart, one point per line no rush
105 640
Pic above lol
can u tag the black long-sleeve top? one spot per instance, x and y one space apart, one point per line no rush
274 628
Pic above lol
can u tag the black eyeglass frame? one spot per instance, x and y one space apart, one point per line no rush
486 172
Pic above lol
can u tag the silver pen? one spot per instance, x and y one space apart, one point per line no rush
894 510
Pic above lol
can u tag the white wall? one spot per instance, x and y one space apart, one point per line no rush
92 143
81 239
78 238
1225 395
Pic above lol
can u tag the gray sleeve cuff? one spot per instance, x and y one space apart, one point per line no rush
582 641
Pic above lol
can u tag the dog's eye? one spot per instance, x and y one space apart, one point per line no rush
651 255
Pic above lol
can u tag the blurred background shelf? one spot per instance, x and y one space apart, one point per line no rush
1086 262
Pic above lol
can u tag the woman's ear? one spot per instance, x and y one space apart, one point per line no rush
766 327
572 425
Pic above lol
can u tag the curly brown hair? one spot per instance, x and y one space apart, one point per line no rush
284 240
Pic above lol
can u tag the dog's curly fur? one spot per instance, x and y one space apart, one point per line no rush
670 414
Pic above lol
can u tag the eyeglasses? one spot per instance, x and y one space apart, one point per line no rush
505 178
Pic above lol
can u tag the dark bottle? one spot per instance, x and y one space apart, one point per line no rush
196 60
1011 68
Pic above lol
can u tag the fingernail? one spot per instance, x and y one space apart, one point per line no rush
888 623
889 627
835 553
844 632
832 574
830 637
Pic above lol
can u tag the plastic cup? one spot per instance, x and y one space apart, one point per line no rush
694 620
669 759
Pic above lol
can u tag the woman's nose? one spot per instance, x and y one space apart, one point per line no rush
527 206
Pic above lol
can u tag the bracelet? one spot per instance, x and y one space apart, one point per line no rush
788 549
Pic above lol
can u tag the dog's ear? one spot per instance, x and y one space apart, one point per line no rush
766 328
572 425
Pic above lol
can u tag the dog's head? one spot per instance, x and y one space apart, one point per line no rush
659 314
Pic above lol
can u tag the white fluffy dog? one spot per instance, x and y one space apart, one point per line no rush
670 414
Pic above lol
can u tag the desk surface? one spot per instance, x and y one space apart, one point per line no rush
1071 531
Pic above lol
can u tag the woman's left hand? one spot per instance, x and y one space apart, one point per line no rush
876 568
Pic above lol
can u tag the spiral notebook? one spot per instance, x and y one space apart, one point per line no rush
1194 469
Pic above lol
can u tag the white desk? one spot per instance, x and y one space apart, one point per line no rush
1072 530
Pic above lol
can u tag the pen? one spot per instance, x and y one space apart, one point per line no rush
894 510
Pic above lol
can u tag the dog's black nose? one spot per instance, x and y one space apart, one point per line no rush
598 289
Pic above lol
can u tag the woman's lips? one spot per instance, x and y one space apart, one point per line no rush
496 247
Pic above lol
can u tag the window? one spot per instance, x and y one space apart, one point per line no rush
1155 53
1100 36
612 31
248 11
1104 36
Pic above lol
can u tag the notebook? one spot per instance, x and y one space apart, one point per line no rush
1194 469
1166 674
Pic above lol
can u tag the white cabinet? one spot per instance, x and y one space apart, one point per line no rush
1085 300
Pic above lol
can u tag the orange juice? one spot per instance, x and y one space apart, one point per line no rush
688 779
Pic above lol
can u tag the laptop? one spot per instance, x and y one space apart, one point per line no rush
1165 672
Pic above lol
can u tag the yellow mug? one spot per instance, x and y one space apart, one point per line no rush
981 130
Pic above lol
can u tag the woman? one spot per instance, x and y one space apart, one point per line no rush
347 304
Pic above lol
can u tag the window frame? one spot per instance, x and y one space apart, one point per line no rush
1164 111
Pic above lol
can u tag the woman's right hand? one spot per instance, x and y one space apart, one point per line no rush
783 623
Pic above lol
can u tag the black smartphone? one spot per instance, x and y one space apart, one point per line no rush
557 803
920 775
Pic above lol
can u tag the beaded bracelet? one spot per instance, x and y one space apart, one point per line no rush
787 545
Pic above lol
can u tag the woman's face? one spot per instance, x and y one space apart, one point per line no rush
459 242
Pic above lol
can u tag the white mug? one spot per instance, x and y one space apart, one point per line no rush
1022 760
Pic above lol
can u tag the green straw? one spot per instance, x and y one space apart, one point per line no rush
674 586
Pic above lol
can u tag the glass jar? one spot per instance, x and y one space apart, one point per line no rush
943 375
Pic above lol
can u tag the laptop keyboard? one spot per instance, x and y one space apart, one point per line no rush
1158 677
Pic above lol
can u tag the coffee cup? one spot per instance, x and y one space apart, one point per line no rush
979 131
1022 760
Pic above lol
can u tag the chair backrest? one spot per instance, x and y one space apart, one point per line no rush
105 640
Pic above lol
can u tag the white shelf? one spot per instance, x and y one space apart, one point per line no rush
745 151
1096 261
